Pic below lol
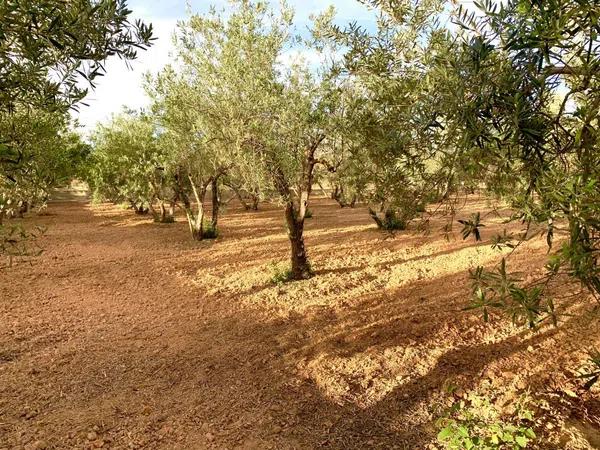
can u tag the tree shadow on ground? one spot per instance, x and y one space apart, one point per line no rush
170 366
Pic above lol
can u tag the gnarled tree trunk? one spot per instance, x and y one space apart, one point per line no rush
295 209
295 225
250 203
196 220
164 215
340 197
216 203
255 202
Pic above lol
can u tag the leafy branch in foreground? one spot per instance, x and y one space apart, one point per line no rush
472 226
592 375
530 103
499 289
500 241
70 40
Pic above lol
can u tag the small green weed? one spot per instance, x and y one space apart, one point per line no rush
474 424
280 274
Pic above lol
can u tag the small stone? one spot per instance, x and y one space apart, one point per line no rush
39 445
276 429
92 436
210 437
530 349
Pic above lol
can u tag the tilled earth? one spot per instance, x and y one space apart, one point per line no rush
127 334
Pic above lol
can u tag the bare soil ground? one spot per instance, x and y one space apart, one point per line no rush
127 334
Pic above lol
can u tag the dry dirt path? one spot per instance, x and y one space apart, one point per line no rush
125 334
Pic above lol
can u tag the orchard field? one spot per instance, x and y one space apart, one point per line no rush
126 334
341 224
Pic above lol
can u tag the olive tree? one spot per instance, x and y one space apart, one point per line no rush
50 155
529 101
393 137
68 39
48 46
127 164
273 118
196 160
240 112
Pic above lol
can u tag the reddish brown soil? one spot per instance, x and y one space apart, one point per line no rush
126 334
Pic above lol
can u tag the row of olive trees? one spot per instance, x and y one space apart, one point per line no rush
231 114
48 152
412 113
49 51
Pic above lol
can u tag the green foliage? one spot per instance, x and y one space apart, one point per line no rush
209 231
391 144
592 374
43 154
128 163
71 39
217 109
279 274
527 95
474 424
46 49
308 214
504 240
499 289
391 220
472 226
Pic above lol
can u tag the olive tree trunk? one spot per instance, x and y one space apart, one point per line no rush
196 219
139 209
300 269
216 203
296 206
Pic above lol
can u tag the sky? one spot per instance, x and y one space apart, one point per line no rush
123 86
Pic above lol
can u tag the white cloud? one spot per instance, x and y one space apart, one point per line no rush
123 86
